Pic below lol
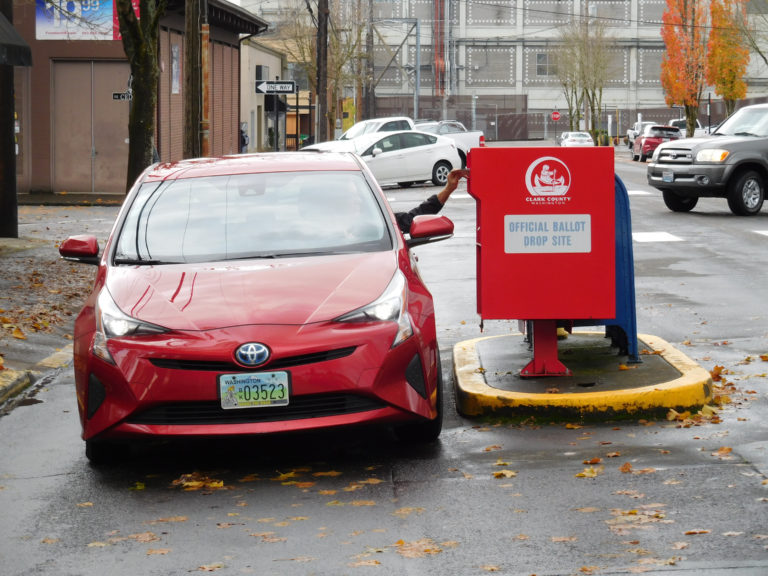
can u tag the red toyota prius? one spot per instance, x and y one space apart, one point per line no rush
256 294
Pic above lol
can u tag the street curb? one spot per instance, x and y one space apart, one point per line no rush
474 397
14 382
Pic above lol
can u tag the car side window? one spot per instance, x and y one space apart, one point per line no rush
412 140
388 144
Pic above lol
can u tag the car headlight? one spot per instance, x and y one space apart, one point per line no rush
111 322
713 155
391 306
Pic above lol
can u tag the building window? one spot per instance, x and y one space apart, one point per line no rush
545 65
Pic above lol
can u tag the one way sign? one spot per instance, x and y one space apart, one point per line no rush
277 87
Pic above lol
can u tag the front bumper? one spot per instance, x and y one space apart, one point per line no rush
689 179
339 375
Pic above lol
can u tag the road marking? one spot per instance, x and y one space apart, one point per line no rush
639 193
763 232
655 237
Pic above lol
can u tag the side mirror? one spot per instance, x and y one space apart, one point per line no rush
82 248
376 151
429 228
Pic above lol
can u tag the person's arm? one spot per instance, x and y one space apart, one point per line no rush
434 203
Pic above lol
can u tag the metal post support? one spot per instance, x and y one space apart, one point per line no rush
545 362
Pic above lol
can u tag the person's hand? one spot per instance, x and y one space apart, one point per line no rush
454 176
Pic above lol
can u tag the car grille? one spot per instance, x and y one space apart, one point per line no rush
218 366
678 156
201 413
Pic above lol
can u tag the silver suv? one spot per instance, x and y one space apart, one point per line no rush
730 163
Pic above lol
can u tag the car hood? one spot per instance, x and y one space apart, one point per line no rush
711 142
216 295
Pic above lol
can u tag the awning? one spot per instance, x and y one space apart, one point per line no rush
14 51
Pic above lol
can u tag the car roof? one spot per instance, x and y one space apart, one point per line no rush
253 163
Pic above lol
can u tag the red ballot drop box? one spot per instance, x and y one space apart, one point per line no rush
545 239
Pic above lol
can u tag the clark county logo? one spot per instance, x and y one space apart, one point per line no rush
548 176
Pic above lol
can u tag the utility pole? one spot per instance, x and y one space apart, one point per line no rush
192 79
322 70
17 53
370 104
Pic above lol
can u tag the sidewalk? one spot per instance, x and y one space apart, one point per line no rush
40 294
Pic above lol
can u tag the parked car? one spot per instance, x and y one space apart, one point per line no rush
402 158
635 131
390 124
577 139
652 136
681 123
731 163
255 294
465 139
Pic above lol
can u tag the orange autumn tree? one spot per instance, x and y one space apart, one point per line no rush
683 65
728 53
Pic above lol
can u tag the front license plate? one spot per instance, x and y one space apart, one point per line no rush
258 390
667 177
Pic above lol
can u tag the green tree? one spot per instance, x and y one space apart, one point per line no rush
140 42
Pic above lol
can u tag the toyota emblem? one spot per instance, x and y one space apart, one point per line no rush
252 354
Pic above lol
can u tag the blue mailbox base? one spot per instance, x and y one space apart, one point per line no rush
622 330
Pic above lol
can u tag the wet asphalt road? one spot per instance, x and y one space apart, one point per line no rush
491 496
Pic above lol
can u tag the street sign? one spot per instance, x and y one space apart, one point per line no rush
555 115
122 96
276 87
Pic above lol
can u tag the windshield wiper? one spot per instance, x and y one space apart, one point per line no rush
139 262
274 255
745 134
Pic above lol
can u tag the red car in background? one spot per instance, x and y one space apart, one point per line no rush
651 137
255 294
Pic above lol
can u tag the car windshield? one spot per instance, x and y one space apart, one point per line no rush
580 136
746 122
661 132
268 215
358 130
428 127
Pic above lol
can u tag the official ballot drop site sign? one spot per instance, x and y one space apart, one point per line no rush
546 232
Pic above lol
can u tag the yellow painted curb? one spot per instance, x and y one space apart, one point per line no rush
474 397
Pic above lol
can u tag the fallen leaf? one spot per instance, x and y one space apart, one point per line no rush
330 473
405 512
696 531
144 537
593 461
158 551
491 448
18 334
210 567
626 468
85 505
49 540
590 472
564 538
169 519
505 474
680 545
418 548
364 563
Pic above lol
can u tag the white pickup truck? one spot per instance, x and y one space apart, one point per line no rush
465 139
681 124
